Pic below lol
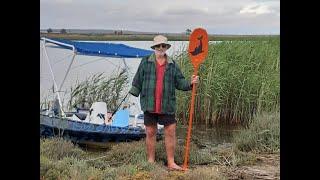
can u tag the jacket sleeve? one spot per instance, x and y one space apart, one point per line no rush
137 80
180 82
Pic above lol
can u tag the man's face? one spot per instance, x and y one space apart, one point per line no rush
161 49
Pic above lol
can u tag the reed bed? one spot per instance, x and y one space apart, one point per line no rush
99 87
238 80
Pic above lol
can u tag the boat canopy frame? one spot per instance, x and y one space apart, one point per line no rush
77 48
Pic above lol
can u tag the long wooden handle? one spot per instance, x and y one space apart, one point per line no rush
187 147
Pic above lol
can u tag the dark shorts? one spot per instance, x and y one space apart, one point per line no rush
162 119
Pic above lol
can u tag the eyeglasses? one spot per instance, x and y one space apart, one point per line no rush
161 45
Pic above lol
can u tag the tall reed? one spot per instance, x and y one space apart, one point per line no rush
100 88
237 80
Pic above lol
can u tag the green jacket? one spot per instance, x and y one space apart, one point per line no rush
144 83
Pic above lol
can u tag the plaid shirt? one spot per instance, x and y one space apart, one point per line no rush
144 83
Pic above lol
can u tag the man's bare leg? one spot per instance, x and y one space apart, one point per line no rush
151 131
170 143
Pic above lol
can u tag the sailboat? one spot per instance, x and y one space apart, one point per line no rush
94 125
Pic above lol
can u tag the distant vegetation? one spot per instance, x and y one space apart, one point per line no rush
49 30
121 36
63 31
188 31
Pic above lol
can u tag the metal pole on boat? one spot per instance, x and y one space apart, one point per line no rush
65 76
54 81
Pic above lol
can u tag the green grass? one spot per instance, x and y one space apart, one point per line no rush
263 135
238 79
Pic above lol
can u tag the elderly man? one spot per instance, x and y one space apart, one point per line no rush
155 81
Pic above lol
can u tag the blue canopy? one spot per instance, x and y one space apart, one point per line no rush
101 48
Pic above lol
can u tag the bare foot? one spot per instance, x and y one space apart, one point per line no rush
174 167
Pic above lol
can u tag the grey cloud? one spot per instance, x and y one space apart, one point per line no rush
174 16
183 12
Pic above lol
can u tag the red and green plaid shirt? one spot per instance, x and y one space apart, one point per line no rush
144 84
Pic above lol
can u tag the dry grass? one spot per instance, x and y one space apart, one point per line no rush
60 159
122 161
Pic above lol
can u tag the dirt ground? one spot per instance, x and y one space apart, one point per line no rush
266 167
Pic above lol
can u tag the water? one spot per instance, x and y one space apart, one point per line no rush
206 136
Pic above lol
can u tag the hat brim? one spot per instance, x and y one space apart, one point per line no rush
153 46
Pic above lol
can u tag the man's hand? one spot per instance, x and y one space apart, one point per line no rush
194 79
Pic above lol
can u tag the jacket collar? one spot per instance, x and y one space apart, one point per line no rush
152 58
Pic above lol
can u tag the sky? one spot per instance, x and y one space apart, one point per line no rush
165 16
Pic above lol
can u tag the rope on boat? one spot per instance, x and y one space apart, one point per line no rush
98 59
62 59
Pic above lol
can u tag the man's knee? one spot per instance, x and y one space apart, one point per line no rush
170 130
151 131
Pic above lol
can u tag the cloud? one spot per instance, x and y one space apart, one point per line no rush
165 16
265 7
256 9
64 1
186 11
56 1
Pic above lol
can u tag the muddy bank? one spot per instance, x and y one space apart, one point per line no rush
266 167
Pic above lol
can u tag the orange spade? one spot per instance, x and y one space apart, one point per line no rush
198 50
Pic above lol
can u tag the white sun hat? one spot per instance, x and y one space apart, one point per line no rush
159 39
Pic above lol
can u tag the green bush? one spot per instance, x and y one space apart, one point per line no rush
263 134
58 148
